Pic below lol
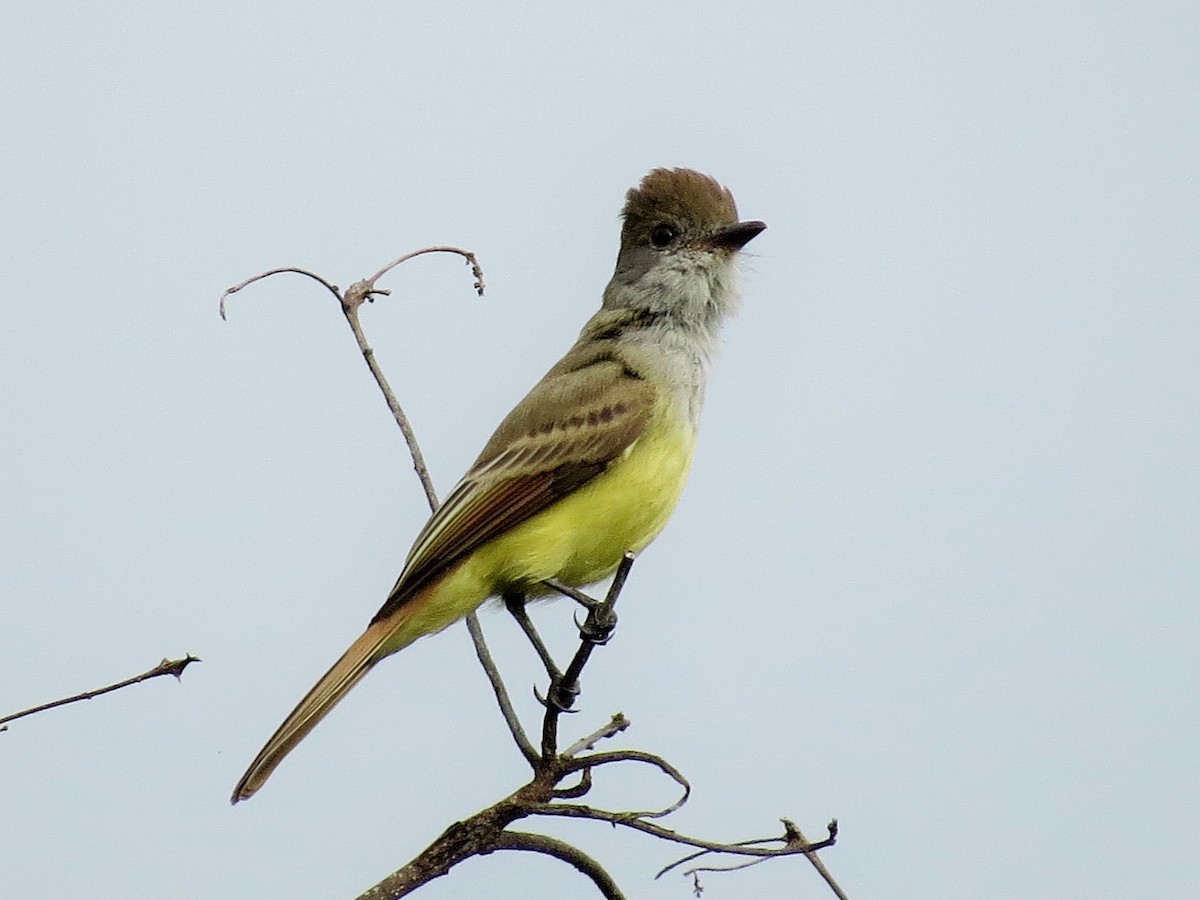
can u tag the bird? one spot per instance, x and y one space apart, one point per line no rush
591 463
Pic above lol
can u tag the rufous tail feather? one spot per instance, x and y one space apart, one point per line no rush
333 686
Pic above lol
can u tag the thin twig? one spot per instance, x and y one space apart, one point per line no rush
332 288
816 861
595 760
572 792
350 302
732 867
793 842
502 699
166 667
414 449
355 295
615 726
574 811
476 269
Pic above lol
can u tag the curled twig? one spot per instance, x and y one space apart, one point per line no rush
595 760
332 288
579 790
476 269
350 301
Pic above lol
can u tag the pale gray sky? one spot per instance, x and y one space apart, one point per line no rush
936 571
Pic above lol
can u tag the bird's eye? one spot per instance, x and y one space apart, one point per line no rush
662 234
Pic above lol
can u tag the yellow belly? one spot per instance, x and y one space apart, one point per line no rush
579 540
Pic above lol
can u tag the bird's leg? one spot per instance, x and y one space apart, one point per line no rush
515 604
561 695
597 628
588 603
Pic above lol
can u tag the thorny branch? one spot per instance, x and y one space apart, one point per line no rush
487 831
166 667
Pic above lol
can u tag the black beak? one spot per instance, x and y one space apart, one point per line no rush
734 237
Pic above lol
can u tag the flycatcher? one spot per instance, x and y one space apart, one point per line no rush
591 463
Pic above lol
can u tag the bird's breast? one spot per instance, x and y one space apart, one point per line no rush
582 537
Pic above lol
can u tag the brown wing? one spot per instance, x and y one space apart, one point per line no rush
583 415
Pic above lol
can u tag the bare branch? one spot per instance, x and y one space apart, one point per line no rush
353 299
573 811
615 726
732 867
595 760
540 843
350 308
332 288
476 270
816 861
350 302
793 842
578 790
166 667
484 656
474 836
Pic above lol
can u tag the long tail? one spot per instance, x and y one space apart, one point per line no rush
333 686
